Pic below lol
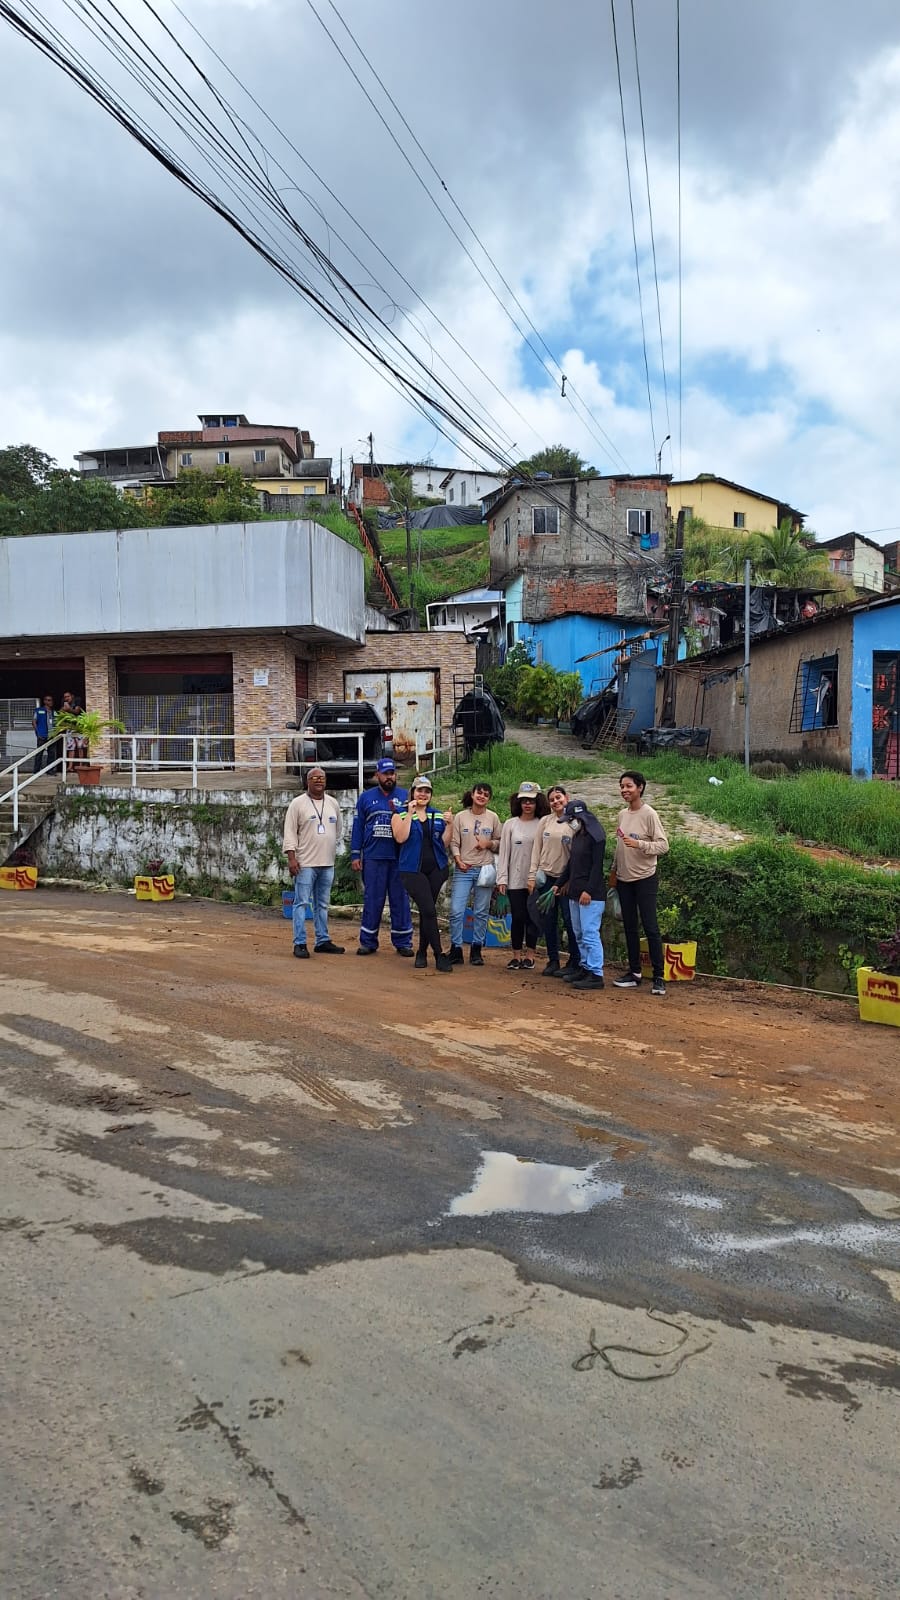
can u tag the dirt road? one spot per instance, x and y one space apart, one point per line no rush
332 1277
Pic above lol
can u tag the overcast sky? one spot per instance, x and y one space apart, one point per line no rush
130 307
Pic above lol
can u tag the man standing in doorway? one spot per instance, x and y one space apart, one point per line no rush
42 723
374 853
312 833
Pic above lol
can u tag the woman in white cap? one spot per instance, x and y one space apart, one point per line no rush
527 808
423 835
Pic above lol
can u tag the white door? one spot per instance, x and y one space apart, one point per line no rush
408 700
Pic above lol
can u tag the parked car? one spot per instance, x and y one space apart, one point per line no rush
320 739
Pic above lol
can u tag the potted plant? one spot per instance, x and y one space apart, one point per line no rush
155 881
89 727
679 955
879 991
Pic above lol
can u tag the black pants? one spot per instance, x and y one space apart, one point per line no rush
550 926
523 929
638 899
423 889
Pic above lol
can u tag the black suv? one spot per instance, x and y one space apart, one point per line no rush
320 739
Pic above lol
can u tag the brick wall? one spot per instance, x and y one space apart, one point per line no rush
447 652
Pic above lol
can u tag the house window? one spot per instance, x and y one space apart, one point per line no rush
637 522
223 458
259 456
545 519
450 496
229 422
815 695
186 458
462 493
740 520
506 531
688 512
309 488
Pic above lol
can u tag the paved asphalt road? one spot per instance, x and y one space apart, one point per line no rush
339 1279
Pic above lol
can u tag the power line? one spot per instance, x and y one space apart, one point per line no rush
662 348
680 279
443 416
605 441
637 264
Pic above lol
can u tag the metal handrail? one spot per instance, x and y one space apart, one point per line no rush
125 753
19 783
155 763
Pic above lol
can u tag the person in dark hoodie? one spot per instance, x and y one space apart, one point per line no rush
583 882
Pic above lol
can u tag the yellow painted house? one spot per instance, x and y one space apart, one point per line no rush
726 505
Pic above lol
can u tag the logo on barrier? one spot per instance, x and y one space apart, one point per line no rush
18 877
881 987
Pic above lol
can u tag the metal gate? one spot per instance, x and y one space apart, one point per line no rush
409 701
885 715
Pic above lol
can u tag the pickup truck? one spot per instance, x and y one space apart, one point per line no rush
321 739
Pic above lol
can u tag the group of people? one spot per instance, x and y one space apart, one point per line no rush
43 722
548 859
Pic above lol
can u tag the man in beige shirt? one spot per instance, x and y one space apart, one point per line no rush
313 829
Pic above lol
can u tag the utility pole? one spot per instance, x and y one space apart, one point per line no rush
676 601
371 450
413 614
746 666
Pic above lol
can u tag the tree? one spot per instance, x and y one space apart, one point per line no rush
558 460
72 504
785 557
197 498
23 470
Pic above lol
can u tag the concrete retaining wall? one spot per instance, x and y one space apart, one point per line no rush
222 836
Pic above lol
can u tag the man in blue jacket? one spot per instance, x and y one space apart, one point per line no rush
374 853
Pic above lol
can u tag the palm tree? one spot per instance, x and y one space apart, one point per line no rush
784 557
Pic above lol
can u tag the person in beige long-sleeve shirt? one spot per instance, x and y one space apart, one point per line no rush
549 859
313 829
474 840
640 841
528 808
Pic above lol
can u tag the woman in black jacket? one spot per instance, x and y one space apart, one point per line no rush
584 883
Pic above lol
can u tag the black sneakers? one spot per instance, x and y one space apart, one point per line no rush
456 955
444 963
301 952
476 959
421 959
329 948
589 980
628 980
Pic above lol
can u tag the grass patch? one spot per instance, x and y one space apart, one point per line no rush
436 542
821 806
766 911
505 770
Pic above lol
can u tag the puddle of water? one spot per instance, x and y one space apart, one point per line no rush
506 1182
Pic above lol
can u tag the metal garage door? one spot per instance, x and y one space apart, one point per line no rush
409 701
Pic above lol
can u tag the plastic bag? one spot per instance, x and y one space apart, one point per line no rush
614 904
545 901
487 876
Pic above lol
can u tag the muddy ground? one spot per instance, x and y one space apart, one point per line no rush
344 1272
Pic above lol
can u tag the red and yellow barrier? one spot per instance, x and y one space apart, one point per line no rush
160 886
18 877
879 996
679 960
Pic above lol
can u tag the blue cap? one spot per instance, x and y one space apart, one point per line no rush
385 765
575 808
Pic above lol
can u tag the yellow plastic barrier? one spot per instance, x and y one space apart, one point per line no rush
159 887
879 997
679 961
18 877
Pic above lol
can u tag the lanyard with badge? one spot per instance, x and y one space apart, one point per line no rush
319 814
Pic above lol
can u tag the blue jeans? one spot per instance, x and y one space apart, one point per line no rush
586 928
312 886
463 888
